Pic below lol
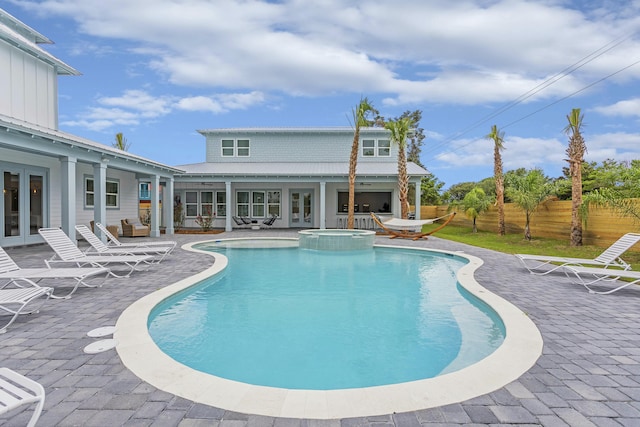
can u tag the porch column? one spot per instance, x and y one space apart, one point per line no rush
100 196
227 223
155 203
418 198
323 205
167 206
68 190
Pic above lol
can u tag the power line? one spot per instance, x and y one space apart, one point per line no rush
540 87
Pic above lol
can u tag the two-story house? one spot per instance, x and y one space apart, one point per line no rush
51 178
298 174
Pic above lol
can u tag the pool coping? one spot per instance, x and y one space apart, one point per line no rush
519 352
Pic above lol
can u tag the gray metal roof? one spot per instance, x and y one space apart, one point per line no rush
290 169
55 136
296 130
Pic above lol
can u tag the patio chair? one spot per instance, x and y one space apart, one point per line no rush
15 300
113 241
239 222
410 228
541 264
587 276
132 227
10 272
17 390
269 221
100 247
67 252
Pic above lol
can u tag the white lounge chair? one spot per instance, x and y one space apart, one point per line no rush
15 300
113 241
541 264
101 248
17 390
67 252
10 272
587 276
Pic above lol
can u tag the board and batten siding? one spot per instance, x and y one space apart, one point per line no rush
28 87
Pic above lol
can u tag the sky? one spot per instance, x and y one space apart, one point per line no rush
159 70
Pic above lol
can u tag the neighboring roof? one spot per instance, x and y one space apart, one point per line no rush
26 39
44 134
291 169
283 130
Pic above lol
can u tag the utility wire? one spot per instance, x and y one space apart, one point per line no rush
550 81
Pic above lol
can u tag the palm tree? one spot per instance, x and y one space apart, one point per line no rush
576 150
498 145
121 142
529 191
474 204
360 114
400 129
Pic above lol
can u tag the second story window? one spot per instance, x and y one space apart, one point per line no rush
376 148
235 148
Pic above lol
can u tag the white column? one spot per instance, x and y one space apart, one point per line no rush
418 198
167 206
323 205
227 223
68 190
100 196
155 203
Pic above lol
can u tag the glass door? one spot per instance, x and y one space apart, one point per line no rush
24 205
12 202
301 209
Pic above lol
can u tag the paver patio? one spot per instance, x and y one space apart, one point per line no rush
588 375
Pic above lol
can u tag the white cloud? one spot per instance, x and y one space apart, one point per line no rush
626 108
469 52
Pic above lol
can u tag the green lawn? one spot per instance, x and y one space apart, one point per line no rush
516 244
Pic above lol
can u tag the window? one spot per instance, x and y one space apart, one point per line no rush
242 203
368 147
228 148
376 148
221 204
366 201
235 148
273 203
257 204
145 191
384 148
243 148
112 195
191 203
206 203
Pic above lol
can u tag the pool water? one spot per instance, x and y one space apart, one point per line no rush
318 320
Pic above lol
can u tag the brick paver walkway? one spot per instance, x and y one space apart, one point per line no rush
588 375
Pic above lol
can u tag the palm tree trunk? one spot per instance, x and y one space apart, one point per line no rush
403 182
500 202
353 162
576 202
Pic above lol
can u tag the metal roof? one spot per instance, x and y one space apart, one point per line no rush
25 38
289 169
285 130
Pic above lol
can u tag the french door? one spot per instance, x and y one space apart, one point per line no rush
24 204
301 208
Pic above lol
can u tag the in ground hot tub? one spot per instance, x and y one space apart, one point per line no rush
337 239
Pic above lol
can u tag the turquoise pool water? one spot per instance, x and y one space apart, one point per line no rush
302 319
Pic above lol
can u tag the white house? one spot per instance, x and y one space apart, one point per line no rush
52 178
298 174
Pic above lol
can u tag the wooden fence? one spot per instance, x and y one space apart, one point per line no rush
552 219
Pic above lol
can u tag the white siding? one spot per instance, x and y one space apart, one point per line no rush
28 88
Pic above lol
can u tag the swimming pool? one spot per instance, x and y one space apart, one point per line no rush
323 320
521 348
